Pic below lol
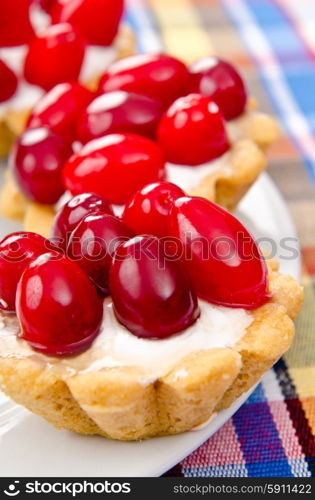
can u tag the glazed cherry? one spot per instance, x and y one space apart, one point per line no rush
93 244
71 214
60 107
58 307
221 257
151 295
17 250
96 20
149 208
114 166
15 24
159 76
46 4
37 159
54 56
8 81
192 131
219 80
119 112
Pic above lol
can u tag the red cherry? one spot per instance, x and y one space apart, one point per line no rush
46 4
159 76
55 56
96 20
60 107
73 212
17 250
119 112
192 131
37 160
8 81
221 257
15 24
58 307
219 80
151 296
148 210
114 166
93 244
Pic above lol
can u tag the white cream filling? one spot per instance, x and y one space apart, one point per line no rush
115 346
188 177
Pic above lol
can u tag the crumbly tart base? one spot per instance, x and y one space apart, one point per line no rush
226 186
13 122
119 403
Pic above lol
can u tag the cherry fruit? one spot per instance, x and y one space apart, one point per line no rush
148 210
59 109
221 257
58 307
17 250
37 160
8 81
151 295
219 80
71 214
114 166
119 111
54 56
159 76
93 243
192 131
96 20
15 24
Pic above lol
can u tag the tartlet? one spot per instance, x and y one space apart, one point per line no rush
181 336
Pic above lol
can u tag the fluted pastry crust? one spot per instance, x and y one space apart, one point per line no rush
120 404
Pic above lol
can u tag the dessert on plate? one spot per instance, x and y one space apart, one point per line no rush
142 325
152 105
50 42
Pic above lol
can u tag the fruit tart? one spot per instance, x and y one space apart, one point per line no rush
186 139
45 42
109 331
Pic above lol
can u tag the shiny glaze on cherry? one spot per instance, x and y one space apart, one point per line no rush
114 166
151 296
93 243
60 108
119 111
96 20
221 257
54 56
159 76
8 81
192 131
148 210
219 80
15 24
17 250
58 307
71 214
37 160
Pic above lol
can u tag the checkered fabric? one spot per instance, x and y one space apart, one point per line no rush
273 43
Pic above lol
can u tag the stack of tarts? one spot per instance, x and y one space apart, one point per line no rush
46 42
149 307
152 118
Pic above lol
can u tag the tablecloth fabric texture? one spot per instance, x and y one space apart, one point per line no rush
273 44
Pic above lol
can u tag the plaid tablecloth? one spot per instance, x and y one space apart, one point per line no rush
273 42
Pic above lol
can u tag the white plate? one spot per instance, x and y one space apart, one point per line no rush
29 446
